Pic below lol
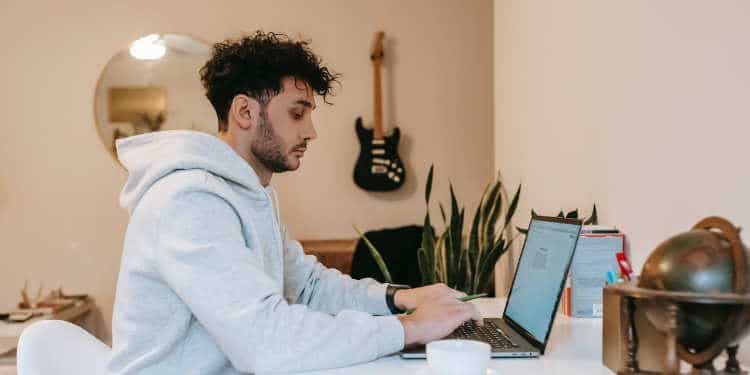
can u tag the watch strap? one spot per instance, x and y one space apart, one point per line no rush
390 293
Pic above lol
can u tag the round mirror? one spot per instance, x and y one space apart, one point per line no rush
153 85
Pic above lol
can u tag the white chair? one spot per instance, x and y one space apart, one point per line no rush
51 347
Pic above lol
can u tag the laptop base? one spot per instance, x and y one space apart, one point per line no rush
523 348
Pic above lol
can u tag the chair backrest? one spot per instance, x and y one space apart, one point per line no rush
398 247
53 347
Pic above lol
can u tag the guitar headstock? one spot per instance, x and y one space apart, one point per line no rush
376 53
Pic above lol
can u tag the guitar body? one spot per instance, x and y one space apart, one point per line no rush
378 168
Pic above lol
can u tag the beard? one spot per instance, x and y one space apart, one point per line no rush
268 148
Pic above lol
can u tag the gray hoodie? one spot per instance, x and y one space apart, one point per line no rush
210 282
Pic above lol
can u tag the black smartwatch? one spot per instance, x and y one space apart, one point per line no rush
390 292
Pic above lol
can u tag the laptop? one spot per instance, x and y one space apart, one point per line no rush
534 296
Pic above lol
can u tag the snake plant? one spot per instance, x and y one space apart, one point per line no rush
592 219
461 264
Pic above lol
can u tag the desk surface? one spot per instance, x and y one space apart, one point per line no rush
575 347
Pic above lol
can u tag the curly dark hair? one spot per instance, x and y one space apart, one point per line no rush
255 65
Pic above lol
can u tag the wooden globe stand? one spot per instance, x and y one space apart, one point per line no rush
702 361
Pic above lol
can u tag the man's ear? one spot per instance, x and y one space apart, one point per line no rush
245 111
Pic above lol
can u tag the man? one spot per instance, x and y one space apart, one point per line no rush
210 283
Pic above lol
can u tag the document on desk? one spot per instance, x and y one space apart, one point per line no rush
595 255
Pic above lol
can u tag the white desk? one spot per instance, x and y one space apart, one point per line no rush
575 347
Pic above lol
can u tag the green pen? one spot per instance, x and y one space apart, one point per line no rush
462 299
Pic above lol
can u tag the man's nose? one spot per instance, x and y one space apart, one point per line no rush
310 132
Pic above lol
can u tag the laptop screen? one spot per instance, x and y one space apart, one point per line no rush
542 269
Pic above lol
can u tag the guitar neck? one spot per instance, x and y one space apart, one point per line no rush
378 105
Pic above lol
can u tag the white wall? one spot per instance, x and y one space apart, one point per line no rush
59 217
639 106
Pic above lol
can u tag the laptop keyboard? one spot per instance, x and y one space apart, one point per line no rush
489 333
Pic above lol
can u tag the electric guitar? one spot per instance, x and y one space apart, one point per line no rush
378 167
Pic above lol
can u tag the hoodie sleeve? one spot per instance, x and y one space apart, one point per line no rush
325 289
201 254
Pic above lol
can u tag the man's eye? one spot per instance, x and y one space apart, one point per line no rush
297 116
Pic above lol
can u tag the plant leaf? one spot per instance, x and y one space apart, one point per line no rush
488 265
533 213
469 277
441 270
512 207
522 230
482 275
495 204
442 213
482 216
428 189
427 267
572 214
593 219
561 214
376 255
594 216
456 229
473 250
460 271
447 247
460 252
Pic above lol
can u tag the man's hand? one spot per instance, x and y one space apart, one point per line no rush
434 319
406 299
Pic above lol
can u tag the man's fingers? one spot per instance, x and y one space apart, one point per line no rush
476 315
470 312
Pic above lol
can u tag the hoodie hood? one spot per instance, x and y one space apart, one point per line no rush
149 157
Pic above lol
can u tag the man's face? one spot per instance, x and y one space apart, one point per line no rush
285 127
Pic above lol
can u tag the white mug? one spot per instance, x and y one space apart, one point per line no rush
458 357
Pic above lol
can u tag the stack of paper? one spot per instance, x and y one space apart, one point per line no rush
595 255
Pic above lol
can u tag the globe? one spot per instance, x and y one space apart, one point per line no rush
707 260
